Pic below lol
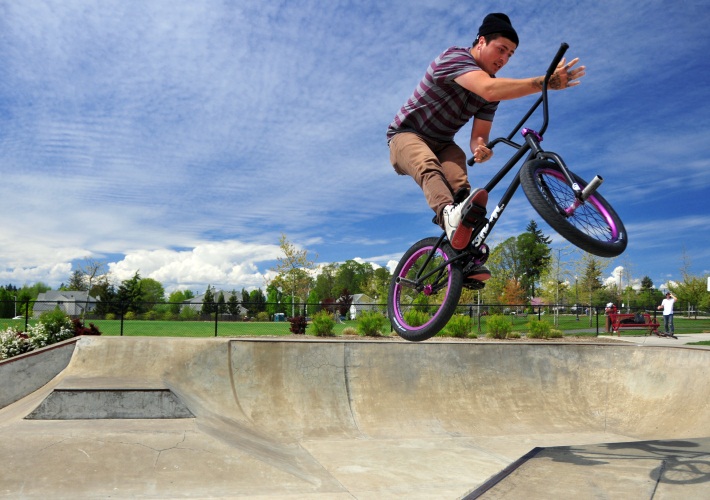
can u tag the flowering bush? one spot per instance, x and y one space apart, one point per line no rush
43 334
13 343
52 327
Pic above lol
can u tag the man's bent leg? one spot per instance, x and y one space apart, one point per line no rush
453 163
412 155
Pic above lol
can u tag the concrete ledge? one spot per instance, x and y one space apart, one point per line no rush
24 374
89 404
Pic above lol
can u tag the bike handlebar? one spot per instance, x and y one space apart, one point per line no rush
553 66
556 61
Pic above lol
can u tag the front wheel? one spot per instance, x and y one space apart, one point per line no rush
593 225
424 291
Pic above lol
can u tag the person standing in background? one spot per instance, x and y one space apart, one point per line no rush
667 306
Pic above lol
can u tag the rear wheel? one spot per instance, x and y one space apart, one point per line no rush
593 225
424 291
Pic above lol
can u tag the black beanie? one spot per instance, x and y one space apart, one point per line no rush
498 23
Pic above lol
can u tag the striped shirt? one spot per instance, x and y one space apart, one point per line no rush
439 106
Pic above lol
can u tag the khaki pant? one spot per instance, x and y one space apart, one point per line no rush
439 168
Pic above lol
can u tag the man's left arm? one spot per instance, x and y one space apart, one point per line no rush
480 132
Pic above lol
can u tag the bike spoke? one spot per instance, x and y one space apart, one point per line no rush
588 217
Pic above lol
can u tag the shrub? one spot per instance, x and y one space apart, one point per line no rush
262 316
349 330
371 323
52 327
110 316
498 327
542 330
151 315
13 343
459 326
555 334
323 324
80 329
41 335
188 314
298 325
538 329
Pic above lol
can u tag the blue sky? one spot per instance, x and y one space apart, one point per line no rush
181 138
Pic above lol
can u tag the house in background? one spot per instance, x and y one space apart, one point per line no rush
73 303
360 303
195 303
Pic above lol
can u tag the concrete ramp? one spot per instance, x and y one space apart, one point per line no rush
359 419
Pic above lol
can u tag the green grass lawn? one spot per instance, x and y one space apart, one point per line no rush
567 323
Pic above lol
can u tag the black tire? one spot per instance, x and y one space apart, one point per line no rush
593 226
419 308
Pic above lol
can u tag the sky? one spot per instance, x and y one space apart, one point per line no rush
180 139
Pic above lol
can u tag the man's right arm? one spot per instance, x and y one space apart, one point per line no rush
503 89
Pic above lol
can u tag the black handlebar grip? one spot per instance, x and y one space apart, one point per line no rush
471 161
556 60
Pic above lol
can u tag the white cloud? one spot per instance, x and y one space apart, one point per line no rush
227 265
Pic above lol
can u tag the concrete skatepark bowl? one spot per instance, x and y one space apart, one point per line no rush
141 417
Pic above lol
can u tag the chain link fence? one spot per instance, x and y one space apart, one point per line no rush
201 319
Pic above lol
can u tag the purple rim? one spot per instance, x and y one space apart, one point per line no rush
597 204
407 266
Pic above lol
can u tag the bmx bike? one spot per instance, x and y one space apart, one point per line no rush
426 285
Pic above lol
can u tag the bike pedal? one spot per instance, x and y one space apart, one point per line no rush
473 215
472 284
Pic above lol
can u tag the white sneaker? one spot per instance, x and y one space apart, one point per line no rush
457 218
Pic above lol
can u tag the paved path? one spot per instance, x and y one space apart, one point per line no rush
335 419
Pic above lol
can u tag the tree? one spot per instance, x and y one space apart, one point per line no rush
293 271
352 275
555 281
152 292
692 290
505 265
7 303
77 282
221 303
536 255
377 286
647 293
324 286
588 280
233 304
513 293
129 295
274 299
107 296
175 301
257 303
208 305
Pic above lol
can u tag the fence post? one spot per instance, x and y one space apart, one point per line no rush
120 306
216 320
27 313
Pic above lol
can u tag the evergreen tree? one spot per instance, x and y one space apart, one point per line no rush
537 256
233 304
221 303
77 282
129 295
208 305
